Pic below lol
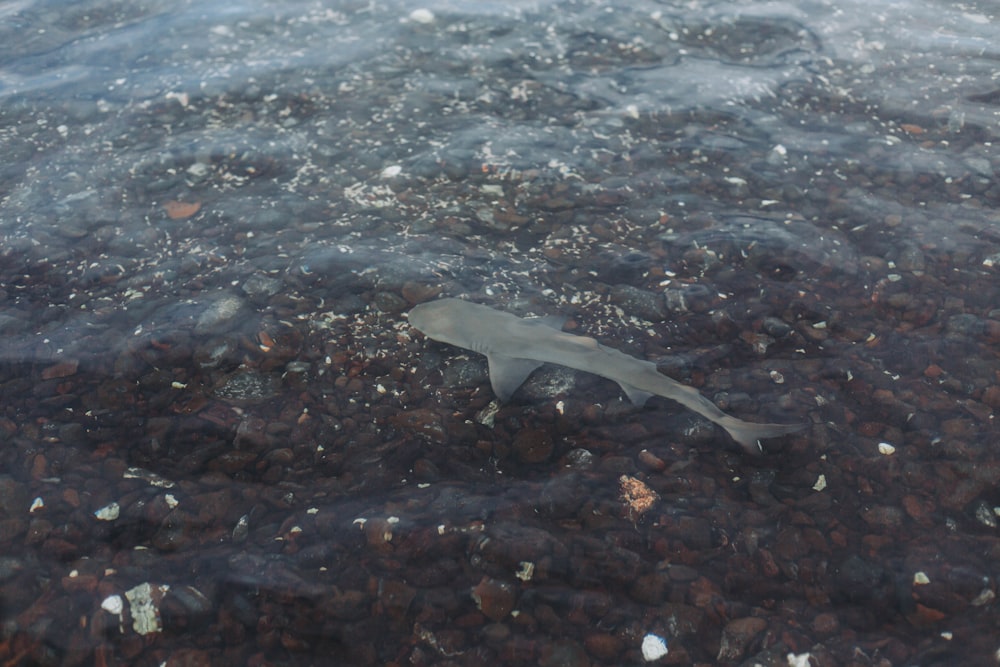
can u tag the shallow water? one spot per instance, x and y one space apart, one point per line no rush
222 443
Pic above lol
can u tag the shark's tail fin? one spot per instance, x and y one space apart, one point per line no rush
748 434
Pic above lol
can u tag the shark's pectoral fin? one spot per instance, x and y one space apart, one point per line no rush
635 396
508 373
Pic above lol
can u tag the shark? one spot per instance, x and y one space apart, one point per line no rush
515 347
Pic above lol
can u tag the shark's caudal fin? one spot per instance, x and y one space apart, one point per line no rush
748 434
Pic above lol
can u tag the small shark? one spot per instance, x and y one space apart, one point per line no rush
515 347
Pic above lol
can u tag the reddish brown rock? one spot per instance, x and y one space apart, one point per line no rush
532 446
60 370
494 598
737 637
603 646
826 624
991 396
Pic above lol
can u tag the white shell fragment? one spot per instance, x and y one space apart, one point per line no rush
526 571
800 660
885 449
113 605
422 15
820 483
144 606
921 579
150 477
108 513
653 647
986 596
36 505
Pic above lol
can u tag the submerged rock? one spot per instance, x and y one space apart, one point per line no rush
248 385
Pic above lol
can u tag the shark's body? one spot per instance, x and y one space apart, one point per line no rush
514 347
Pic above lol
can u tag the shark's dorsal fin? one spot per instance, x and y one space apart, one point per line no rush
509 373
635 396
554 321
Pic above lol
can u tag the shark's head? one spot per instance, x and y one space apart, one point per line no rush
436 319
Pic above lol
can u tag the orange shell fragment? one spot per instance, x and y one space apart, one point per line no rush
178 210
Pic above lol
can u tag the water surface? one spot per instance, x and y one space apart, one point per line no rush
222 444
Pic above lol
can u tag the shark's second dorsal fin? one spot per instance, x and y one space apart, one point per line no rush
509 373
635 396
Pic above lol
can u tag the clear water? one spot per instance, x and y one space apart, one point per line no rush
214 217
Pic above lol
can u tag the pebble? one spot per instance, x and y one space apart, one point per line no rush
494 598
60 370
563 653
532 446
220 314
636 302
603 646
248 385
826 624
737 637
260 287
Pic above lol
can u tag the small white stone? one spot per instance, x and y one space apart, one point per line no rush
394 170
653 647
422 15
170 500
820 483
526 571
885 449
921 579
